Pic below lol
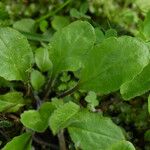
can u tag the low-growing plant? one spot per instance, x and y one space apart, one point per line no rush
99 64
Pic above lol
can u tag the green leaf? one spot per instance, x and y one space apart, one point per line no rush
69 45
110 33
91 98
144 27
112 63
138 86
22 142
3 12
62 116
65 77
123 145
62 87
37 80
144 5
57 102
16 56
99 35
76 14
59 22
147 135
84 7
42 59
93 131
11 102
25 25
43 25
38 120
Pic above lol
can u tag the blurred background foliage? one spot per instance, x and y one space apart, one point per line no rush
39 19
124 13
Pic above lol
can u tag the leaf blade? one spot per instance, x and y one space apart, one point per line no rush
69 45
138 86
93 131
11 102
39 118
21 142
16 56
62 116
112 63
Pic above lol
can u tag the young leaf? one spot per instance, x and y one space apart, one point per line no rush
93 131
147 135
110 33
25 25
143 5
92 100
77 14
37 79
43 25
138 86
69 45
123 145
22 142
62 116
59 22
15 55
42 59
112 63
146 24
99 35
65 77
11 102
38 120
57 102
84 7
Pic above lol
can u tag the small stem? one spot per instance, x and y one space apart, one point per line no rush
37 98
34 95
48 88
53 13
69 92
41 142
61 138
28 89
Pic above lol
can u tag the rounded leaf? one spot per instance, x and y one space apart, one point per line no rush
38 120
138 86
37 79
112 63
42 59
93 131
16 56
22 142
69 46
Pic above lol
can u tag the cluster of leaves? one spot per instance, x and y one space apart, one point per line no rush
78 58
124 13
